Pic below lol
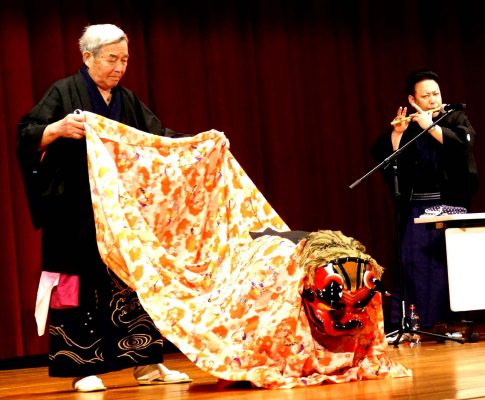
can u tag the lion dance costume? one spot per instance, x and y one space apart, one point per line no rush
173 220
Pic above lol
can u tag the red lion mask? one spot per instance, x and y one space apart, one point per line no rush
335 303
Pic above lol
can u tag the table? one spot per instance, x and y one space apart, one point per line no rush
465 252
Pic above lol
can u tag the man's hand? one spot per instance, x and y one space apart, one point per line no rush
400 122
71 126
423 118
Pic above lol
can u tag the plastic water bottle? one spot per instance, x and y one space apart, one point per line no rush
414 338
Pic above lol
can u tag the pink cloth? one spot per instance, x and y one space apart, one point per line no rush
66 293
55 291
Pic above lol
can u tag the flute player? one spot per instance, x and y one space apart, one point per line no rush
438 169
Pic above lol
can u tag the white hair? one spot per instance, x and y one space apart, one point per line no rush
96 36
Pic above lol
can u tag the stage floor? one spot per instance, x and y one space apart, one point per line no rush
446 370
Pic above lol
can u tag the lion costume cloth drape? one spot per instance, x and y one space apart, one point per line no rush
173 218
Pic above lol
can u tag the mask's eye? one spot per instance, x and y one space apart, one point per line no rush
372 283
370 280
365 301
308 295
331 294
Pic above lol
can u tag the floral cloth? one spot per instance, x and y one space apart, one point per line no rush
173 218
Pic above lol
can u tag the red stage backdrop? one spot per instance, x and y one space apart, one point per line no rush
300 88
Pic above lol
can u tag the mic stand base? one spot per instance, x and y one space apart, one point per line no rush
405 328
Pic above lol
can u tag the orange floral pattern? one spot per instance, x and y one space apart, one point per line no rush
173 218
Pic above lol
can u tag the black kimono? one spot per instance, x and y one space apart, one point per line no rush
109 330
429 174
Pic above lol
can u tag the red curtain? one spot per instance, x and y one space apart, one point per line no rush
301 89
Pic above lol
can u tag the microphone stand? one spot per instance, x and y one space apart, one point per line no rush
405 326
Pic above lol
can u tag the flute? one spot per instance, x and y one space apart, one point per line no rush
400 120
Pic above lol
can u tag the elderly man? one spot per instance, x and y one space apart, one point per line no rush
103 328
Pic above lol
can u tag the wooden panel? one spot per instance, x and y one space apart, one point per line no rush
465 252
441 371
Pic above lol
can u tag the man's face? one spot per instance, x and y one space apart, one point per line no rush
109 65
427 95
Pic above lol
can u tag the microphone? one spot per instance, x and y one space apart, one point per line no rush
453 107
